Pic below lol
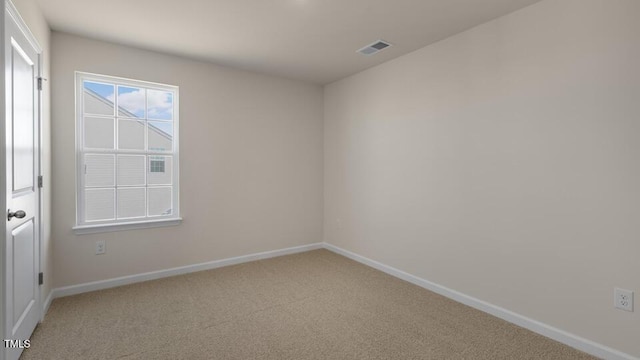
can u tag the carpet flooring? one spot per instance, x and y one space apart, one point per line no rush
313 305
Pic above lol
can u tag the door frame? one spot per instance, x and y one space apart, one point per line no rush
9 9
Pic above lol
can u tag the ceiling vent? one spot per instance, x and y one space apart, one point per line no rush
374 48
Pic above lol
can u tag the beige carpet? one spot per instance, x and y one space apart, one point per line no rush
314 305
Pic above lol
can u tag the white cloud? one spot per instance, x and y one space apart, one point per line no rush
132 102
160 105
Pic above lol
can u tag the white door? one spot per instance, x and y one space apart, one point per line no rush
22 245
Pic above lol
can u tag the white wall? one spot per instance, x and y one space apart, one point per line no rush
503 163
34 19
251 164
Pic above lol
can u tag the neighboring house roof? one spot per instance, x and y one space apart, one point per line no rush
127 113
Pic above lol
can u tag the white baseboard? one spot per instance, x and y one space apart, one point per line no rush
577 342
46 304
153 275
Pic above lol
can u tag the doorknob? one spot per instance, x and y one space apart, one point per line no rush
18 214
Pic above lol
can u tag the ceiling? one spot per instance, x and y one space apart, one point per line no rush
310 40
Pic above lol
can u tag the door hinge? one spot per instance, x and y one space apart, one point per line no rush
40 181
40 80
40 278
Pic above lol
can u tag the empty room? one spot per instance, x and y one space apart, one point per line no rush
320 179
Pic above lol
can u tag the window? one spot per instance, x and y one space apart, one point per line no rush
127 153
156 164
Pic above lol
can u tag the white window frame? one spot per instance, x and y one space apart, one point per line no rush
86 227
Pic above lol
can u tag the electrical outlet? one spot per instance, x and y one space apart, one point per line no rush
623 299
101 247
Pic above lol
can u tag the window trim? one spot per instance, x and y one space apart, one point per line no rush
130 223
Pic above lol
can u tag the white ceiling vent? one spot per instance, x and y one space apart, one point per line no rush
374 48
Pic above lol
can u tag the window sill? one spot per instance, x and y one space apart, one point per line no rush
134 225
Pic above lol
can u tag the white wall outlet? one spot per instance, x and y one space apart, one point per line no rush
101 247
623 299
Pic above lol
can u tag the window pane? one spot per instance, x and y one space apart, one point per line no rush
131 202
99 204
131 102
160 136
131 134
131 170
99 170
159 105
160 170
98 98
98 133
159 201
